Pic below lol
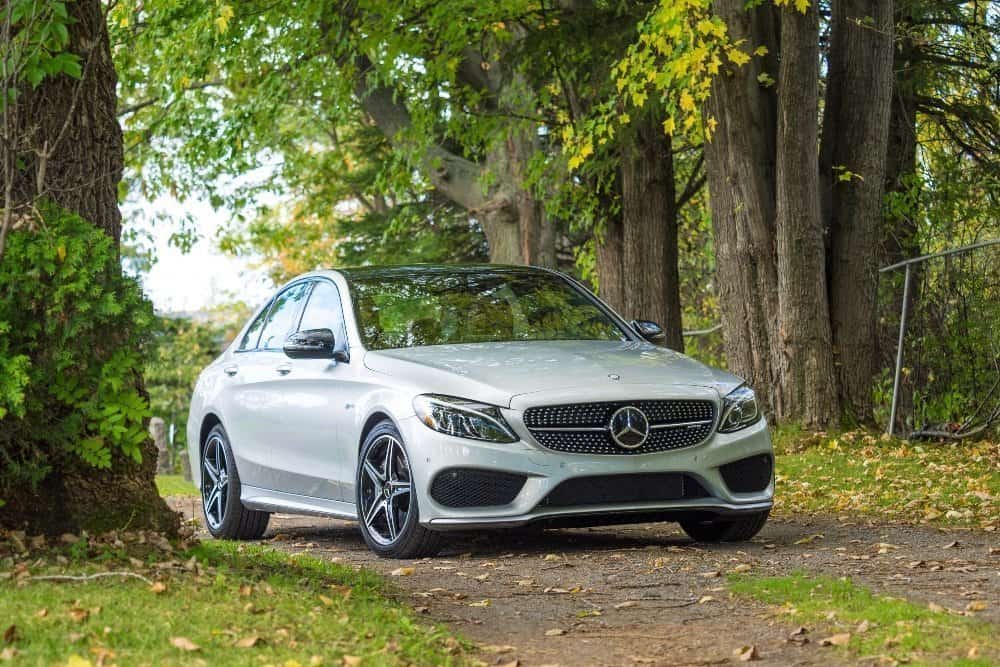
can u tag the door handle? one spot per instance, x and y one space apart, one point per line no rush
284 369
231 370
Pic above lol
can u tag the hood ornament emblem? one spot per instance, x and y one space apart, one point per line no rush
629 427
614 377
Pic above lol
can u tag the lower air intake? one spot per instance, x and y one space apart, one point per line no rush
748 475
470 487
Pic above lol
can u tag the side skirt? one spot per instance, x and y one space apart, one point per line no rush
266 500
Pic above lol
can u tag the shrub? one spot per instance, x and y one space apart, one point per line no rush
73 331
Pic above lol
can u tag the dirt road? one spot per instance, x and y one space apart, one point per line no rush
646 594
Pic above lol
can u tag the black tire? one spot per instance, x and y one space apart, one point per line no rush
726 530
238 522
412 540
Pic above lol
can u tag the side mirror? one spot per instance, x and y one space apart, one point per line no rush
651 331
311 344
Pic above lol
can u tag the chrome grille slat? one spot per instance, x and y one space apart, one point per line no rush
583 428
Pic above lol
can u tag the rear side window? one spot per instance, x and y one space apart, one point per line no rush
324 310
249 341
282 317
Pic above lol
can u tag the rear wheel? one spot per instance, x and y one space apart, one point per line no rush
225 515
726 530
388 513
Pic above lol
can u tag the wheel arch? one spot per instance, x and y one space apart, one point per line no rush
208 422
374 419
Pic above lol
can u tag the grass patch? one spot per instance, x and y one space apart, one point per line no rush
860 472
175 485
896 629
215 603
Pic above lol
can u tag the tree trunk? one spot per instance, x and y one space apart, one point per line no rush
803 355
740 166
71 152
899 239
608 250
649 231
853 163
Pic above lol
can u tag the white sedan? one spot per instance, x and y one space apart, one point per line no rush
423 399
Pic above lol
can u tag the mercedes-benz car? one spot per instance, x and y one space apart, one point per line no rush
425 399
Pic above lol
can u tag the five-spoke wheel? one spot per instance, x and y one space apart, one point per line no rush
225 515
215 481
387 505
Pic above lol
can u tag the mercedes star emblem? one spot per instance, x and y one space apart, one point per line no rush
629 427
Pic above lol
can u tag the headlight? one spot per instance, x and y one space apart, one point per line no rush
462 418
739 410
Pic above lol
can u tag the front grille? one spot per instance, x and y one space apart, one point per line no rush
583 428
616 489
748 475
470 487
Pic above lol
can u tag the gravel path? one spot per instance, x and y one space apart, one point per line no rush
645 594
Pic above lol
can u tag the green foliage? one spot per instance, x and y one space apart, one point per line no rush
74 334
37 48
180 349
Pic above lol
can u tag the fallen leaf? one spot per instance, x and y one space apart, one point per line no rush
747 653
158 587
705 598
525 582
742 567
505 648
627 604
836 640
863 627
351 660
402 572
10 635
184 644
951 545
481 603
935 607
246 590
973 653
551 558
9 653
712 574
42 613
555 632
79 615
976 605
512 663
247 642
76 661
325 600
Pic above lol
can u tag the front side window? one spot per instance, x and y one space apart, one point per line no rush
441 308
323 310
282 317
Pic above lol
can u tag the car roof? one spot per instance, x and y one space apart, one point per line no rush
412 270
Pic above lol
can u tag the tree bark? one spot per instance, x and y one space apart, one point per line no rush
610 264
70 146
649 231
740 167
803 355
853 163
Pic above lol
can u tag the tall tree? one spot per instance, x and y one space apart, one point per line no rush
853 157
63 145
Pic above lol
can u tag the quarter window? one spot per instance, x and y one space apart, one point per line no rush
281 319
249 341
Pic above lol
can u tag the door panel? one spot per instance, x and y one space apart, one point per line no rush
252 399
311 459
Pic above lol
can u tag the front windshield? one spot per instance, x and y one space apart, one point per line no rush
441 308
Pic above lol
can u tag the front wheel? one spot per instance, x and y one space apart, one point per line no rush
225 515
726 530
386 499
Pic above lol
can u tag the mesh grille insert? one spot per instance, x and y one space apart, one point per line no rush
615 489
470 487
544 421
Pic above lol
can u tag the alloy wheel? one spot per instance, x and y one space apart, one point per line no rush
215 482
386 489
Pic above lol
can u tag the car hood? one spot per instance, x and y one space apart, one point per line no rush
497 372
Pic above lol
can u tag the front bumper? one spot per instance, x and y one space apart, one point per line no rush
431 453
